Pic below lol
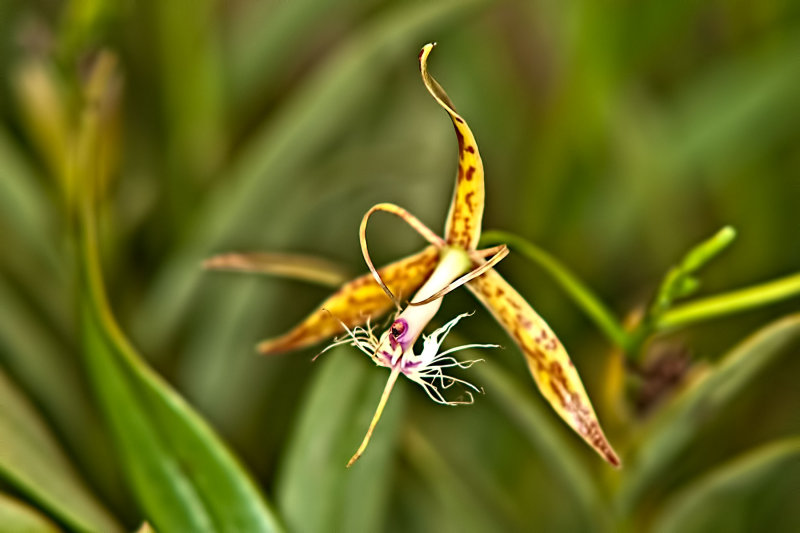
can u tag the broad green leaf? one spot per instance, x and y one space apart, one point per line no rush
315 490
17 517
181 472
32 462
731 496
678 423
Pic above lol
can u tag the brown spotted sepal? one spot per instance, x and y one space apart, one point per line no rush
463 227
356 302
552 369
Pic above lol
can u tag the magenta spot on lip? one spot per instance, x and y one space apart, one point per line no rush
398 334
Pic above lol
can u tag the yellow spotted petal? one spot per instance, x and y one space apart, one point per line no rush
547 359
357 301
463 227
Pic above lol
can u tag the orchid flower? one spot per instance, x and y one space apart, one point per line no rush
447 263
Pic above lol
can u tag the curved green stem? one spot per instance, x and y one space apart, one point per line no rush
730 302
582 295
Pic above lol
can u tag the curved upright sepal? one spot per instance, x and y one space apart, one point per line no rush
551 367
357 301
463 227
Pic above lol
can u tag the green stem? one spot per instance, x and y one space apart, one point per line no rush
730 302
582 295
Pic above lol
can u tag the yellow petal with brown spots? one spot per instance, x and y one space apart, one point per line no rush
547 359
463 227
357 301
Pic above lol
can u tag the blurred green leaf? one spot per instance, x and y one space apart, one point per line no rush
316 492
46 115
727 498
17 517
542 430
677 424
32 461
469 505
23 203
34 349
183 475
730 302
194 137
261 34
734 111
84 23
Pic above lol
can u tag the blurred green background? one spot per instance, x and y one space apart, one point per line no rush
615 135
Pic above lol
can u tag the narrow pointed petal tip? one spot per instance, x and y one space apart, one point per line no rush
463 227
356 302
551 367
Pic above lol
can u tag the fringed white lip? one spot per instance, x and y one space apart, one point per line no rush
425 368
429 366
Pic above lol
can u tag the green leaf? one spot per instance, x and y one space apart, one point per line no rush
462 500
712 124
23 204
32 462
729 496
36 304
315 490
731 302
17 517
675 427
181 472
262 33
543 432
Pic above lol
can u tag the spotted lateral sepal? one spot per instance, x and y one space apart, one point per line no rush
551 367
356 302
